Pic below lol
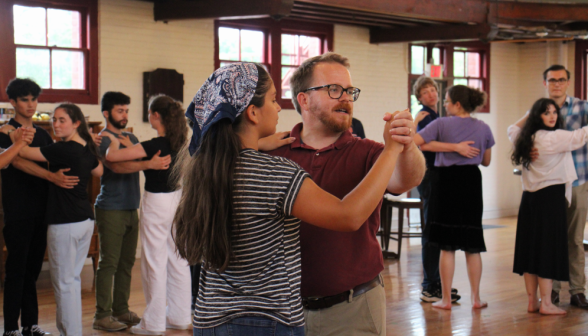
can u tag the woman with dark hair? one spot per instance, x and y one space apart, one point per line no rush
69 212
456 205
541 249
165 277
240 210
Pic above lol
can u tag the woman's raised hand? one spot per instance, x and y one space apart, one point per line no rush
275 141
389 141
402 127
420 116
125 140
25 134
108 135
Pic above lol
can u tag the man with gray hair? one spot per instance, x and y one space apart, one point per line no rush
342 289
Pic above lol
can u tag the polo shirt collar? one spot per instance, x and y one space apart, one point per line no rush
345 139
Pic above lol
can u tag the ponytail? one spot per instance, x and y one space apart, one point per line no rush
172 118
204 218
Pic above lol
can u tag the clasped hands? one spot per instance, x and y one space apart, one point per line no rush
401 128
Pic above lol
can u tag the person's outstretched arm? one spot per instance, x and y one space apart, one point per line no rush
318 207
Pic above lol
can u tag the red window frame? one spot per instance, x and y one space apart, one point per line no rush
580 70
447 50
89 27
273 31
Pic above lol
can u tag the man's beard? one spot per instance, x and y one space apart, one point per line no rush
117 124
329 120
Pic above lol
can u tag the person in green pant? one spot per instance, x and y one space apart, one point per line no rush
117 220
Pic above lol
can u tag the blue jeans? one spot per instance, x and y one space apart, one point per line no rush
251 326
430 254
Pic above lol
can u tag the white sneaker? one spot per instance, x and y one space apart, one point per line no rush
140 331
178 327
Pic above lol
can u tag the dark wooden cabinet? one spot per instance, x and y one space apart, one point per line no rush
161 81
93 191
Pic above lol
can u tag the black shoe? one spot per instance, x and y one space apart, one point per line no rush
554 297
454 297
431 296
453 290
35 330
12 333
579 300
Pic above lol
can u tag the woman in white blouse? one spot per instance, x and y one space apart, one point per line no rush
541 251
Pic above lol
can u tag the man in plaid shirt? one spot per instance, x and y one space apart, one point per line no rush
575 112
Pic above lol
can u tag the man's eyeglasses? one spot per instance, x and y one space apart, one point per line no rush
553 81
336 91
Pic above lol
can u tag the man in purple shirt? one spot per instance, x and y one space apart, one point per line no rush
342 288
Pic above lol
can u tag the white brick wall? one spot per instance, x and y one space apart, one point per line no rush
380 71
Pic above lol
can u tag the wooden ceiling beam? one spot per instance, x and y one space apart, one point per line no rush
324 19
183 9
431 34
540 12
448 10
397 19
349 18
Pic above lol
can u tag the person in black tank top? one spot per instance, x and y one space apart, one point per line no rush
69 212
166 277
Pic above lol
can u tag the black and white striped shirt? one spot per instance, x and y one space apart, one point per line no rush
263 277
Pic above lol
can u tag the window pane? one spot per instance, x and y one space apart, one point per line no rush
473 65
251 46
286 74
297 48
460 81
63 28
33 64
289 47
29 25
228 43
67 69
415 105
436 56
417 60
475 83
458 64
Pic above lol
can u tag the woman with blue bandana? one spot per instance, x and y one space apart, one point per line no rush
165 276
240 209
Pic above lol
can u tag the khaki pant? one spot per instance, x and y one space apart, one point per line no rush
576 218
365 315
118 231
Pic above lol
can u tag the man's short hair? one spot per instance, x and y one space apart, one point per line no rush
112 98
555 67
22 87
302 77
421 83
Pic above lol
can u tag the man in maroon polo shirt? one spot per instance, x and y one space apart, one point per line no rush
342 288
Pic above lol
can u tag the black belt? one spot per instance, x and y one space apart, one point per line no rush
329 301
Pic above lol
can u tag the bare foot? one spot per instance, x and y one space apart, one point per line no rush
442 305
479 304
550 309
534 305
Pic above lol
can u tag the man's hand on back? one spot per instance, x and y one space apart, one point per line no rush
159 162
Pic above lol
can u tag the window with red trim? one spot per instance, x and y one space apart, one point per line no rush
581 70
464 63
53 43
280 46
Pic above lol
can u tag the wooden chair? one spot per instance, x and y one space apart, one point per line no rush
386 223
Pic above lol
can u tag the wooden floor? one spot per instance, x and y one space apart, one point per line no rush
406 315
